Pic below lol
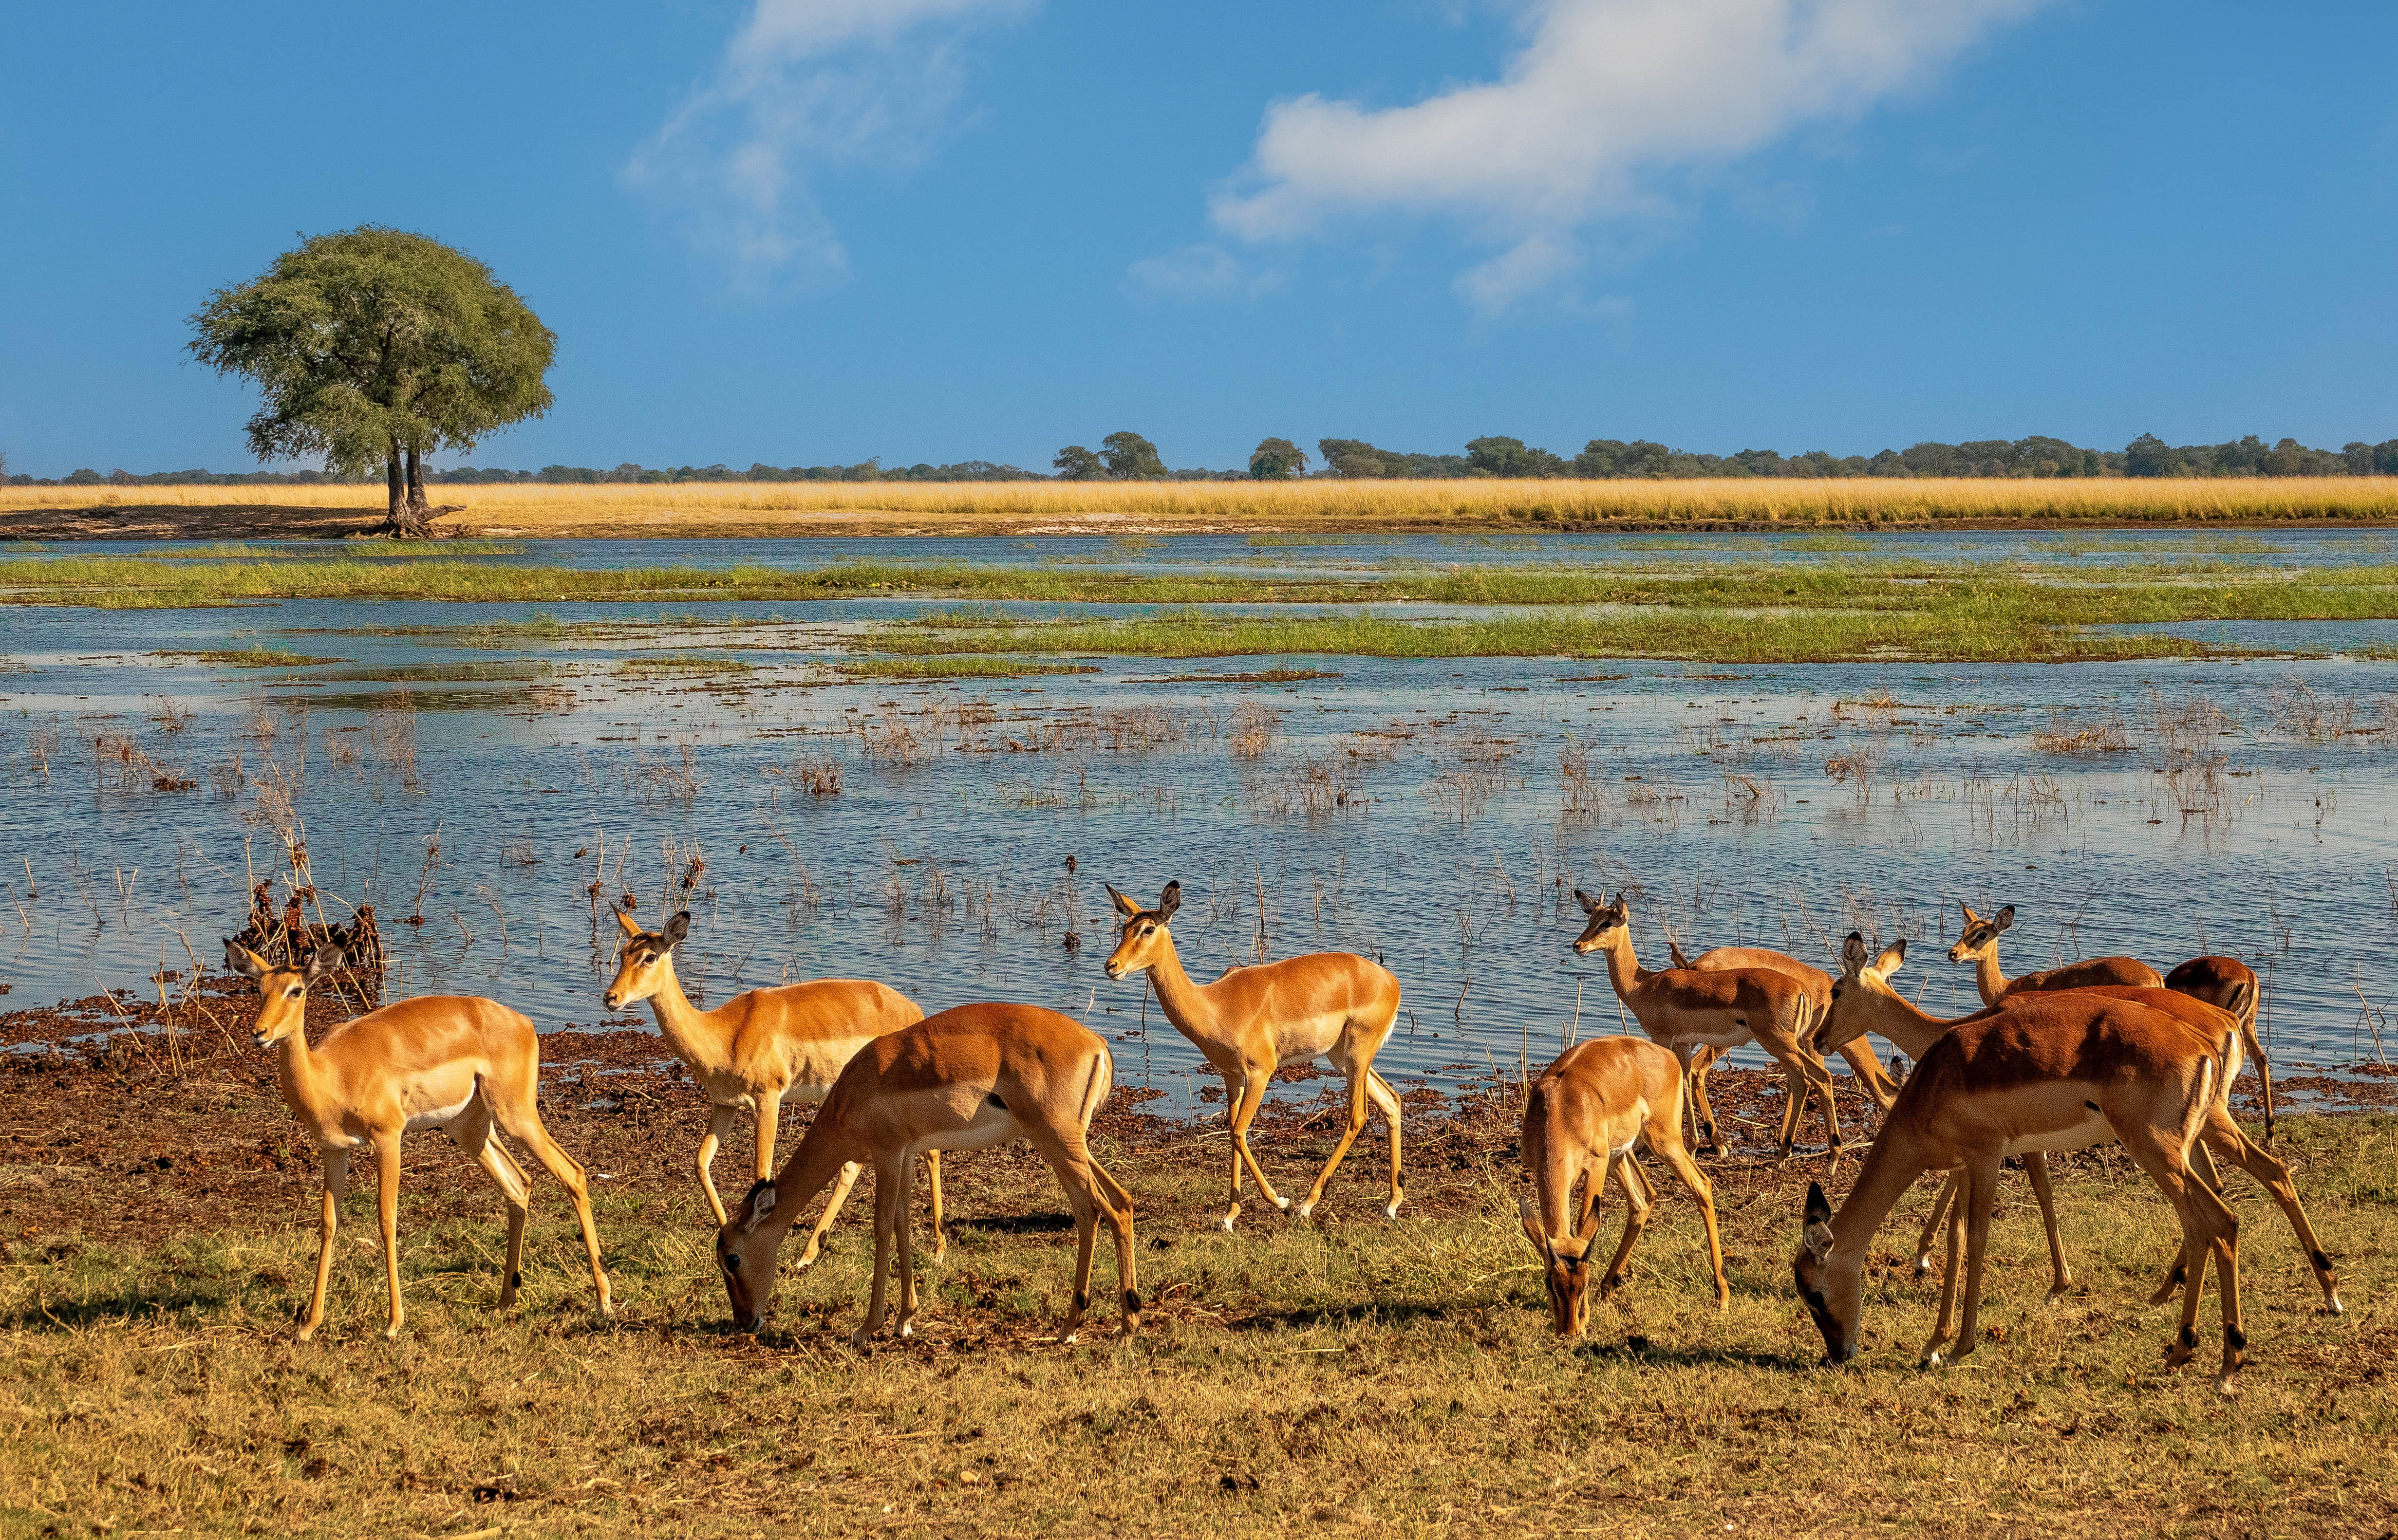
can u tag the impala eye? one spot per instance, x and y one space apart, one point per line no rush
293 994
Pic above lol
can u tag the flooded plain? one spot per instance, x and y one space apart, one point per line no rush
492 777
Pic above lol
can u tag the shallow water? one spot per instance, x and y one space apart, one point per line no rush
1446 835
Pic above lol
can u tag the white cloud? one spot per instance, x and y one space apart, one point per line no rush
808 87
1605 98
1204 271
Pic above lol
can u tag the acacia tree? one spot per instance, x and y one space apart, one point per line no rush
378 345
1130 457
1277 459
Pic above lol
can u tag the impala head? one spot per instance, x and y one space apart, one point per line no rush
1144 943
642 961
746 1258
1863 973
1605 919
1567 1264
1980 934
1835 1296
282 992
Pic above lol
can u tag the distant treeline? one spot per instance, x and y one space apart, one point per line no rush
1601 458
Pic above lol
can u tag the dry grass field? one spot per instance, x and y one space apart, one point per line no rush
800 508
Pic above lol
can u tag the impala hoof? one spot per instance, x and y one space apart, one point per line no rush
1307 1209
857 1340
1391 1210
2331 1304
1284 1204
907 1329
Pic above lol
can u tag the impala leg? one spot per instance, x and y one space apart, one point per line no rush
2060 1276
520 1120
887 1220
1384 1098
1236 1091
1348 1136
1980 1198
1693 1178
2202 1168
337 1181
770 1127
2210 1230
1923 1242
1635 1218
472 1129
1931 1357
831 1211
1795 1078
1091 1192
2237 1147
2264 1072
1822 1078
387 1216
940 1232
1695 1064
903 1243
1118 1207
719 1123
1869 1072
1253 1093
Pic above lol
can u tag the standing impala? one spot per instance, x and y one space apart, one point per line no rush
1253 1021
1859 1052
967 1079
2230 984
1689 1011
438 1061
2051 1071
1978 944
756 1050
1865 1001
1581 1119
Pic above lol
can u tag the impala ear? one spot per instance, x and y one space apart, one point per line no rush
242 960
1124 906
2004 918
1815 1222
321 961
677 927
1589 904
1169 900
1852 953
756 1205
1892 955
626 921
1530 1213
2239 1002
1968 910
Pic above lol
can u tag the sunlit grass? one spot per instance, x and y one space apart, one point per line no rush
795 506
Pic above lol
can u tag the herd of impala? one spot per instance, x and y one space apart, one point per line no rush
2099 1051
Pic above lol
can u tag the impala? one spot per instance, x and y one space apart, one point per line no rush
2231 985
1582 1119
1978 944
966 1078
1253 1021
2051 1071
1687 1010
758 1050
1864 1000
1858 1052
438 1061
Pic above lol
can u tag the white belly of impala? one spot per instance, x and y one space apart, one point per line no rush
991 1125
2093 1129
1726 1036
434 1118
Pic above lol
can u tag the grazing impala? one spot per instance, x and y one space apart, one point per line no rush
1253 1021
756 1051
1978 944
2051 1071
967 1079
1689 1011
1859 1052
1864 1001
438 1061
1582 1119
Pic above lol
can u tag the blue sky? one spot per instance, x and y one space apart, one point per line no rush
813 231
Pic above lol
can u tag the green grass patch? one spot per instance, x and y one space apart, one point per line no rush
959 666
678 665
250 657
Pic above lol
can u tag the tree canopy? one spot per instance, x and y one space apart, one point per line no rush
1277 459
1131 458
1076 464
373 344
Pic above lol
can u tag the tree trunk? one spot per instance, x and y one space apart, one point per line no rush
407 516
395 491
416 484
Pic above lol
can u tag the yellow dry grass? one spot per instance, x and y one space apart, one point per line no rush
1032 507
